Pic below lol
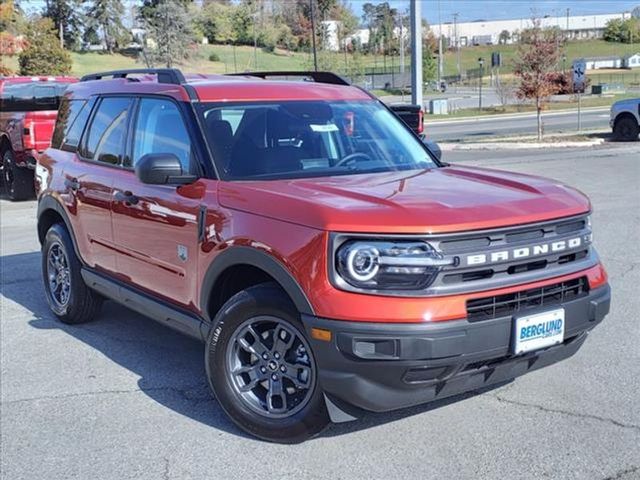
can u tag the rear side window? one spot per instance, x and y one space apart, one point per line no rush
31 96
161 129
72 116
104 141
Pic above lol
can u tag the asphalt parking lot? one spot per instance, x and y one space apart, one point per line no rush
124 397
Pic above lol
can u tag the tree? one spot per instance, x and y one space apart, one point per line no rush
535 61
43 54
622 31
169 27
215 21
66 18
429 64
106 15
504 37
380 19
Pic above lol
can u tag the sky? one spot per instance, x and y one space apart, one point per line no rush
470 10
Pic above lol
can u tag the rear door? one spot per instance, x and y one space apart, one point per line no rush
156 226
90 178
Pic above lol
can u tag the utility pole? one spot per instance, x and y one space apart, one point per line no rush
567 34
416 52
439 46
481 64
401 43
455 33
255 41
313 37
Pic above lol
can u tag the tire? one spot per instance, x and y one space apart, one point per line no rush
298 412
18 181
79 304
626 129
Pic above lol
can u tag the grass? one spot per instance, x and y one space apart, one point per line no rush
242 59
584 48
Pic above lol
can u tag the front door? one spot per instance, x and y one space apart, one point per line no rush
156 226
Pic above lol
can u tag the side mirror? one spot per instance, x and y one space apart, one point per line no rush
433 148
162 169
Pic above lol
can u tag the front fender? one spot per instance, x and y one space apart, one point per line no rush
242 255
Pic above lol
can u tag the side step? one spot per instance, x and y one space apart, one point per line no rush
183 322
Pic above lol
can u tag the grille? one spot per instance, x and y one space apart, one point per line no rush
504 305
492 259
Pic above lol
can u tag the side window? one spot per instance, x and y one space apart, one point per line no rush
161 129
104 140
17 97
72 116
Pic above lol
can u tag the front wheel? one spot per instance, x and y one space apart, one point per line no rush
626 129
261 368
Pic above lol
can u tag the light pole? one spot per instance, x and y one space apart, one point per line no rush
416 52
255 41
481 63
313 36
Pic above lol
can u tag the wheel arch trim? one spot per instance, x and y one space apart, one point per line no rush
48 202
241 255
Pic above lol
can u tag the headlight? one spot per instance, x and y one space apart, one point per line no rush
387 265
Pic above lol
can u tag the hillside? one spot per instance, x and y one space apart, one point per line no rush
243 58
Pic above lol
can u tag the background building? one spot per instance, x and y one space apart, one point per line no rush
481 32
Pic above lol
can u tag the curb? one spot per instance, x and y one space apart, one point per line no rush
448 147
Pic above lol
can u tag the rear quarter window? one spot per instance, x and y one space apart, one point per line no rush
72 116
104 140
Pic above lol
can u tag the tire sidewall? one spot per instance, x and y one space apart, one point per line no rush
8 161
58 234
627 130
254 302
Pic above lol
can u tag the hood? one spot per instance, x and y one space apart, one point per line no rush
446 199
627 103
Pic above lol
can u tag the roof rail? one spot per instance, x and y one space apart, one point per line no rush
319 77
165 75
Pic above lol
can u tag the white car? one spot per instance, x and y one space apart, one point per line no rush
625 119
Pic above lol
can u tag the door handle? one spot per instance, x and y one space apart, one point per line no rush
127 198
72 183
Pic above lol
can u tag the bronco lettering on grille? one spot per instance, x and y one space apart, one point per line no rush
524 252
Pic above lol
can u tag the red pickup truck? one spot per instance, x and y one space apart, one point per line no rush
28 109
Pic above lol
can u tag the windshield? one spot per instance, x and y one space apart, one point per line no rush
309 139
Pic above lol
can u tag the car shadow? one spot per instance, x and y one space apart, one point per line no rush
169 365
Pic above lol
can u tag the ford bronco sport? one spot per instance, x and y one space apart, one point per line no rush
28 108
328 260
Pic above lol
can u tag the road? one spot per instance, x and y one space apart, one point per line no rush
502 125
123 397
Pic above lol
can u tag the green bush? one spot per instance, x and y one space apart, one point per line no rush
214 57
43 54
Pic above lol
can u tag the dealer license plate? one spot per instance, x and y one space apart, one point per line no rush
540 330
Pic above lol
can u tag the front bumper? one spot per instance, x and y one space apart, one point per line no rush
381 366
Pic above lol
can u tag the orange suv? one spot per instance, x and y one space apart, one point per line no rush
329 261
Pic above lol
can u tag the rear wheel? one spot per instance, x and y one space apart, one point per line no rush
261 368
626 129
68 296
18 181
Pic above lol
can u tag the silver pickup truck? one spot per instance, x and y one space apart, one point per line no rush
625 119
